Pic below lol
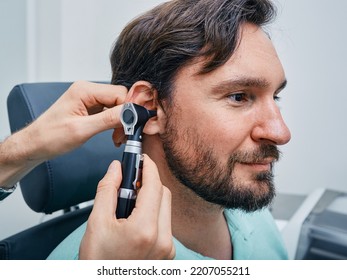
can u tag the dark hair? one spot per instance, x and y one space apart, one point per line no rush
154 46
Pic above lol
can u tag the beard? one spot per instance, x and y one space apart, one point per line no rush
195 165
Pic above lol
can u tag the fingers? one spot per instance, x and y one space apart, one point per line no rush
98 236
146 234
107 119
149 198
93 94
106 195
118 136
164 248
94 98
152 213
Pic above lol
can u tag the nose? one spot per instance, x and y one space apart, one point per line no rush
270 126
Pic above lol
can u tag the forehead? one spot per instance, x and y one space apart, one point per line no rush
254 57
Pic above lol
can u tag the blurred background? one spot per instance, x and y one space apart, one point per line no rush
68 40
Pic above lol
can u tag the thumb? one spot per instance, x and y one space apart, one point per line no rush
107 119
106 195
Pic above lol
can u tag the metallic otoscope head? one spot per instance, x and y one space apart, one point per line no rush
134 116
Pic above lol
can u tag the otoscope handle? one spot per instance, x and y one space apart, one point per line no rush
133 119
129 170
125 205
132 175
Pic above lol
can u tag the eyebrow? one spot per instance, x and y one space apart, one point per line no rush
245 82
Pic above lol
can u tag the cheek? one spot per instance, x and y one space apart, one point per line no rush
225 137
216 127
229 139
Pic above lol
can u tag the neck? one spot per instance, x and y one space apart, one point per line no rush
196 223
199 225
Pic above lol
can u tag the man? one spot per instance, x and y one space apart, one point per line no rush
214 77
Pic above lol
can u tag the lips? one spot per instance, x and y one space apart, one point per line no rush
262 165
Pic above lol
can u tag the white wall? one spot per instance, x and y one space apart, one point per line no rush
69 40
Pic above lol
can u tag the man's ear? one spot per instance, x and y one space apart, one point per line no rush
144 94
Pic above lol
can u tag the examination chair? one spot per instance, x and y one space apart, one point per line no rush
61 184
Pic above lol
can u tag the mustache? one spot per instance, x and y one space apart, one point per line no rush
263 152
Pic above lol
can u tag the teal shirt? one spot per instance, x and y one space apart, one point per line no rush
255 236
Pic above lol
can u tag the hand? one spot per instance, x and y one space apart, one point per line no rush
84 110
146 234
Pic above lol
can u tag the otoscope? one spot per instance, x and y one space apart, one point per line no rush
133 118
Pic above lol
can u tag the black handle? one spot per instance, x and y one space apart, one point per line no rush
132 174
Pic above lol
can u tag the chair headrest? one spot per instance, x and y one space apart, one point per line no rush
69 179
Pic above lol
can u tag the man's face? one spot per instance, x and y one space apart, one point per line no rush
223 128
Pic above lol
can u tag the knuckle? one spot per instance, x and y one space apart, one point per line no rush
172 254
102 184
79 84
164 249
109 118
78 88
105 182
146 238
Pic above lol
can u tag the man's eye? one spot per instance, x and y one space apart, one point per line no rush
238 97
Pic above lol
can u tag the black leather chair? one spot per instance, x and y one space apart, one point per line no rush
57 184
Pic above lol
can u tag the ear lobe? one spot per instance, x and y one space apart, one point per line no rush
142 93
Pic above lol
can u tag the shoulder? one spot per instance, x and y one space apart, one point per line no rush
255 235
